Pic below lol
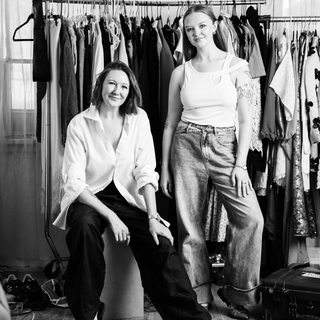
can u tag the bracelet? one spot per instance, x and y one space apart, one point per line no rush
157 217
242 167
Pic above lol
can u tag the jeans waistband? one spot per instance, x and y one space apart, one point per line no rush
208 128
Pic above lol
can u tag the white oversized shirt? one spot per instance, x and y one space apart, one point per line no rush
90 160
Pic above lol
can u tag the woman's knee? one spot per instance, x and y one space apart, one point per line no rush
256 218
82 216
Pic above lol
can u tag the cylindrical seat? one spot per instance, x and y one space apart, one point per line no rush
122 292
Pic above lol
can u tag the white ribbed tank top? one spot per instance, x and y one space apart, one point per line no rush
207 103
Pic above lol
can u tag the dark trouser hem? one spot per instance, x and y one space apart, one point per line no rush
249 297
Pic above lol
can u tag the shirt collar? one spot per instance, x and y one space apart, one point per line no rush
93 114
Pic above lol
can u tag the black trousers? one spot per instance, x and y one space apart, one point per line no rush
162 272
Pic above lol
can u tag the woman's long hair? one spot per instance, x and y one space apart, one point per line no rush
189 51
134 99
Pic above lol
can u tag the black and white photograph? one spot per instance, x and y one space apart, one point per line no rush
121 198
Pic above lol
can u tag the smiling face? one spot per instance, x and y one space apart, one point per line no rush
199 29
115 88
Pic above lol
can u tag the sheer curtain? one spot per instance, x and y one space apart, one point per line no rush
22 240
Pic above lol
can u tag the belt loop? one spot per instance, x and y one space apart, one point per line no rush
189 125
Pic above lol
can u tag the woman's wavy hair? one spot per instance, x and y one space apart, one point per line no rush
134 99
189 51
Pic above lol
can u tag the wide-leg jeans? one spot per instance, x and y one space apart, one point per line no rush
200 153
162 271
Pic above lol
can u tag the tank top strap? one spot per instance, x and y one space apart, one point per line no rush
238 65
227 61
187 70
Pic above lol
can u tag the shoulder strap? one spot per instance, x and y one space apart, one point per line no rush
185 71
227 61
238 65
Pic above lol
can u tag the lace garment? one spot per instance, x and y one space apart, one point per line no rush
300 224
256 141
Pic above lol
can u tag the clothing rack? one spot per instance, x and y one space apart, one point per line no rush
267 19
162 3
291 19
56 266
167 2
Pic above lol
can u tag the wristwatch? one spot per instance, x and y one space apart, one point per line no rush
242 167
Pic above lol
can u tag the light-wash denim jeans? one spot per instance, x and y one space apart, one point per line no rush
200 153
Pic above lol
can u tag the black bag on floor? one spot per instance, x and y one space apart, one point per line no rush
291 293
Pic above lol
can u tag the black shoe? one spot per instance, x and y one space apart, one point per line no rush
239 312
14 286
35 296
101 310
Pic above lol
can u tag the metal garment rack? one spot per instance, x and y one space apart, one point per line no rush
267 20
166 2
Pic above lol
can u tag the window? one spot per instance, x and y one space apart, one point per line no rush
19 105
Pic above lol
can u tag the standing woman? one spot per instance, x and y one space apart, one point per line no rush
200 143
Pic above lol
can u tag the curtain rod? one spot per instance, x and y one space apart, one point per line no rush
166 2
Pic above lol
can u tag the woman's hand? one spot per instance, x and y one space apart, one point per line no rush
241 180
157 228
166 183
120 230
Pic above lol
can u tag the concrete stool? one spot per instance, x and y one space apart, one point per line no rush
122 292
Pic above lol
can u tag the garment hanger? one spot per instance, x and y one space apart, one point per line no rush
68 10
61 4
168 18
243 17
158 10
175 22
148 15
183 9
234 17
159 13
178 9
131 11
31 16
146 10
124 8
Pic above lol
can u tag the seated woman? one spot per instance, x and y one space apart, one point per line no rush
110 181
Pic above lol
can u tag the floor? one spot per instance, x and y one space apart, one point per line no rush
218 309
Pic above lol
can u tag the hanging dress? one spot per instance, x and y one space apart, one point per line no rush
56 150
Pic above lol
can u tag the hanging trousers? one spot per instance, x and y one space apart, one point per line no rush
163 276
200 153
